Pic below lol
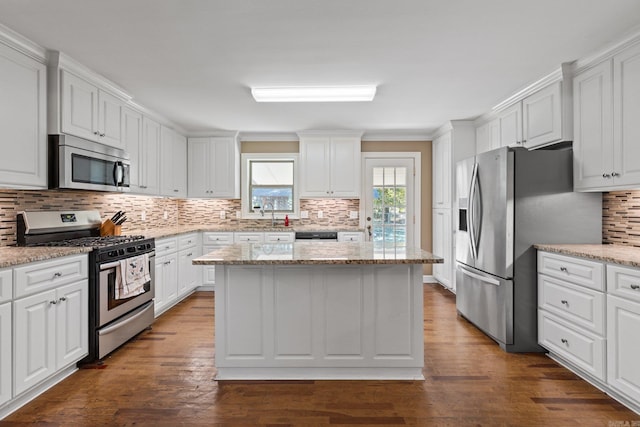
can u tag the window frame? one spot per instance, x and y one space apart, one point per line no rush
246 208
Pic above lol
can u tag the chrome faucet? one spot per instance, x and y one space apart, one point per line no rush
273 214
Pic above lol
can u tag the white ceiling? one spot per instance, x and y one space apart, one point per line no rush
193 61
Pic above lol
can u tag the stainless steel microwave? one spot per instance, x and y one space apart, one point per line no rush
81 164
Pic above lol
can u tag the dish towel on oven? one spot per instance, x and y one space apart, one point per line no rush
134 273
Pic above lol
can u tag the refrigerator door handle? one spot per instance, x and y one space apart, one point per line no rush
471 215
484 279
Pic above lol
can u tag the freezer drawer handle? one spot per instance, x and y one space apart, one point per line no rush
484 279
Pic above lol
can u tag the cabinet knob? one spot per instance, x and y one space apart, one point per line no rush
564 341
635 287
96 133
190 254
614 174
62 299
175 191
563 269
57 274
54 302
102 134
606 175
564 302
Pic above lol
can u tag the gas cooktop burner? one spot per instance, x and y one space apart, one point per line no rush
94 242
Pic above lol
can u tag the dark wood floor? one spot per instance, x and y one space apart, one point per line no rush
165 377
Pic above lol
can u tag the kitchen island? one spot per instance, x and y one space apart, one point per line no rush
318 311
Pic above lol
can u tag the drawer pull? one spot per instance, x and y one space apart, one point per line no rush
564 341
62 299
563 269
635 287
57 274
54 302
565 302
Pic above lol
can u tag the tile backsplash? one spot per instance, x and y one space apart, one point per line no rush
178 211
621 217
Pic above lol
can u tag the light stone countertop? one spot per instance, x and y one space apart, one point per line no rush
617 254
161 232
15 255
314 253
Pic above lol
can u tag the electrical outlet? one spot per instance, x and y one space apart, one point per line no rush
320 214
165 215
223 215
238 214
143 216
304 214
353 214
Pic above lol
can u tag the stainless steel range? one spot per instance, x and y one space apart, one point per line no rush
121 273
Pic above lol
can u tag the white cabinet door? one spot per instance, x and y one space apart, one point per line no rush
5 353
623 346
345 167
168 163
187 272
150 157
626 117
542 116
23 120
483 143
442 246
166 282
72 323
109 120
132 142
593 127
315 155
198 167
79 107
442 171
34 339
179 165
159 300
511 126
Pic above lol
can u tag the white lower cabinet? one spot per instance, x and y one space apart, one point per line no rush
210 242
5 353
589 318
166 281
350 236
442 237
50 333
189 275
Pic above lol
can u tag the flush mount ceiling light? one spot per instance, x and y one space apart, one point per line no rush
314 93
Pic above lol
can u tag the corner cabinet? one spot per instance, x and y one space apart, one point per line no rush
607 129
214 167
330 164
23 120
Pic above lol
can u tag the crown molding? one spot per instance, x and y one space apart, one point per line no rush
332 132
215 133
22 44
268 137
62 61
397 136
452 125
606 52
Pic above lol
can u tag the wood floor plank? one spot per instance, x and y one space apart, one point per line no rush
166 377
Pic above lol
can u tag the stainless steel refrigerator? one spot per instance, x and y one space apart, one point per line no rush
509 199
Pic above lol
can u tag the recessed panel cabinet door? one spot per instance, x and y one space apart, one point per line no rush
79 107
623 346
345 167
5 352
34 339
109 120
72 323
23 121
626 117
132 140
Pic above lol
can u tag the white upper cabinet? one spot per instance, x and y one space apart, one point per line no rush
539 115
149 158
23 120
173 163
214 167
132 140
90 112
607 129
442 171
330 164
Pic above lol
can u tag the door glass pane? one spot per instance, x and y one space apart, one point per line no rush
390 206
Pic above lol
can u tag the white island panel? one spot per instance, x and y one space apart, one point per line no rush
293 313
343 311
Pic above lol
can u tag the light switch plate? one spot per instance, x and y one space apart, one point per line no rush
223 215
320 214
165 215
238 214
143 216
353 214
304 214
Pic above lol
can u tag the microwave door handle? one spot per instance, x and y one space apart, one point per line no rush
470 215
118 173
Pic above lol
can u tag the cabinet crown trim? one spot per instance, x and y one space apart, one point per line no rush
22 44
563 73
308 133
606 53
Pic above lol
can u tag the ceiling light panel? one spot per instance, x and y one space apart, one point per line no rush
314 93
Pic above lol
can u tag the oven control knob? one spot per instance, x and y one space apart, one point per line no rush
120 251
131 249
148 245
112 253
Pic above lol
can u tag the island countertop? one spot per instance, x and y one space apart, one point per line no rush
315 253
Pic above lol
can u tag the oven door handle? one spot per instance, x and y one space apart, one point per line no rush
117 263
140 312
